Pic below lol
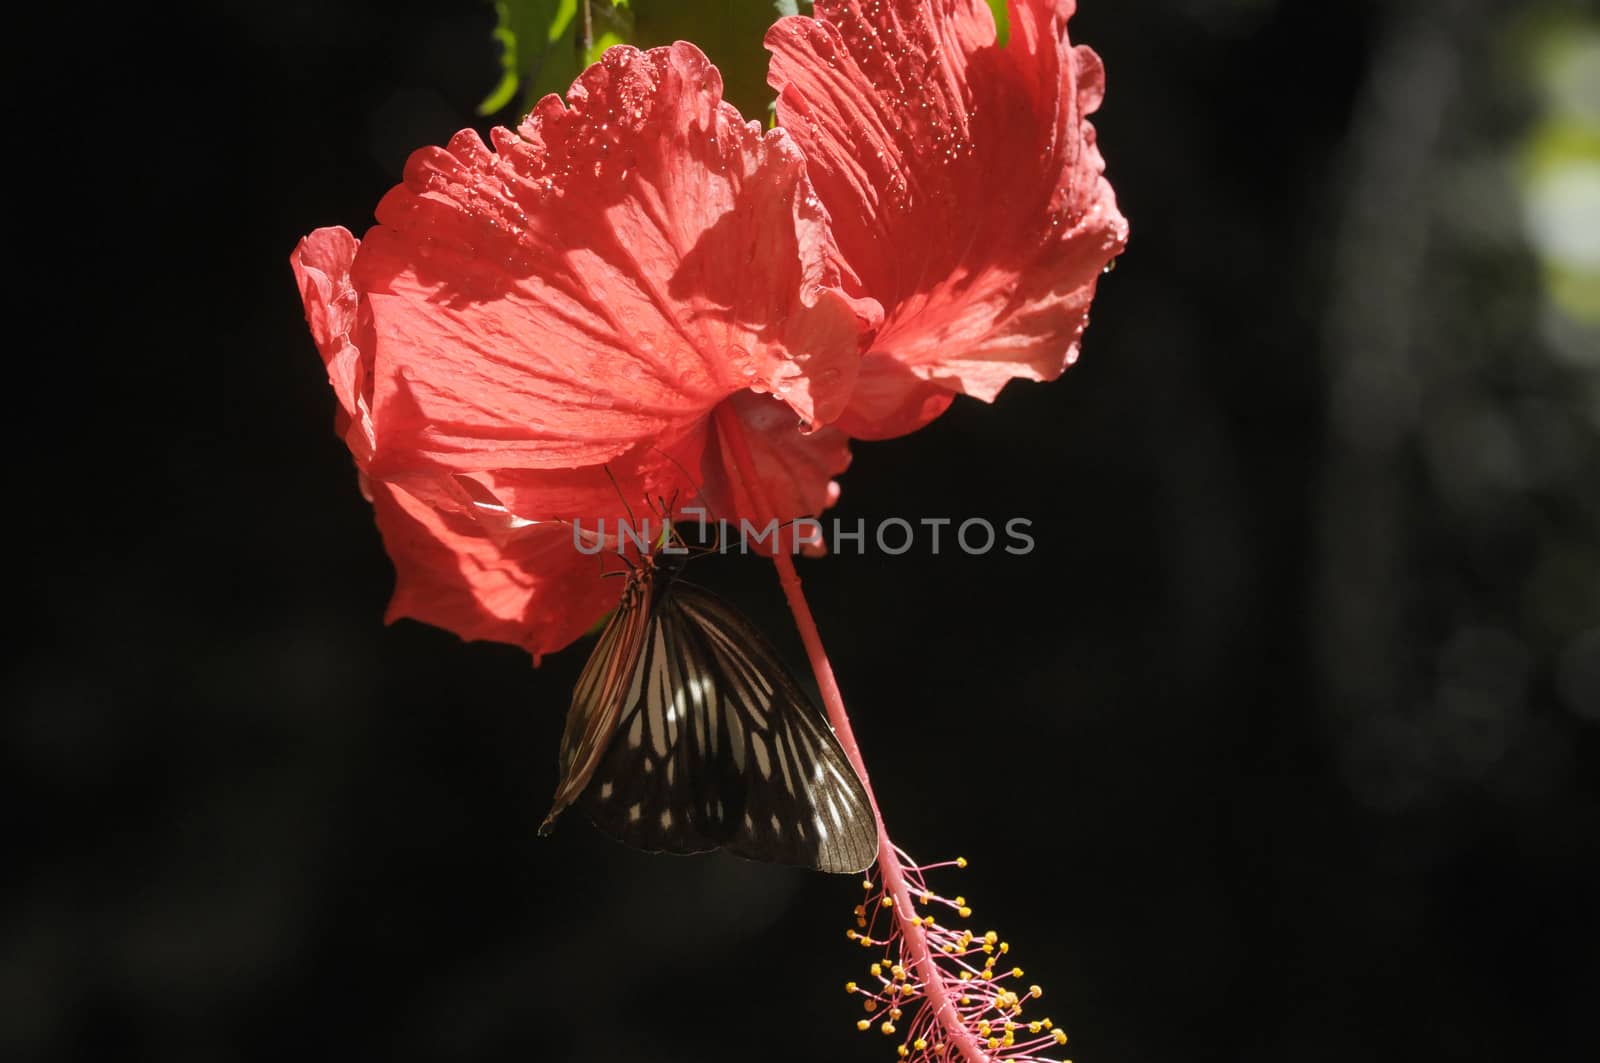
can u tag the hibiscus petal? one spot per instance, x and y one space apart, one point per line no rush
534 590
697 472
340 325
796 469
601 279
963 184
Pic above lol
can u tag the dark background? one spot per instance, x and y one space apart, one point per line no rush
1281 746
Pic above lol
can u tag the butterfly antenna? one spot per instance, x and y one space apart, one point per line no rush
633 522
700 496
699 492
617 487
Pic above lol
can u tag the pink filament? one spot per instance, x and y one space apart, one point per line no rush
915 942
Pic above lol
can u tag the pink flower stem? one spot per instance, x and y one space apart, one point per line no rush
915 941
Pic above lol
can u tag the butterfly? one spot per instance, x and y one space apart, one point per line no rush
687 733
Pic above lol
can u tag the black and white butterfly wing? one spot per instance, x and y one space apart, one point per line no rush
600 696
716 746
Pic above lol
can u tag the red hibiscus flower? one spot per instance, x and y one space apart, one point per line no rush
601 294
964 187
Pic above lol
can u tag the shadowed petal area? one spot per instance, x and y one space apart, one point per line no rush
796 470
600 279
534 589
964 188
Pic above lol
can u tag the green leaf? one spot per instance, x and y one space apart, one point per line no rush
532 56
602 41
1002 22
539 48
730 32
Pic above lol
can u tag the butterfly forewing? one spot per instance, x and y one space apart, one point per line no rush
599 697
716 746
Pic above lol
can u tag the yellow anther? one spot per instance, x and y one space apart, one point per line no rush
961 861
965 975
851 934
894 1013
990 937
1035 991
965 1000
1046 1023
993 1043
965 913
907 990
927 895
1004 948
961 902
1035 1026
987 947
863 1025
949 948
887 1028
1061 1037
1016 972
1009 1040
898 972
887 902
920 1044
966 938
876 970
983 1029
849 987
1010 1026
904 1051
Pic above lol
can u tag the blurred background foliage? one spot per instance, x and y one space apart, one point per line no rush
1283 745
546 42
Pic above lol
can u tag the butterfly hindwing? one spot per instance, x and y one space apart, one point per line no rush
803 798
717 746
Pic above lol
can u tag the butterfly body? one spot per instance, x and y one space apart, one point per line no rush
686 734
